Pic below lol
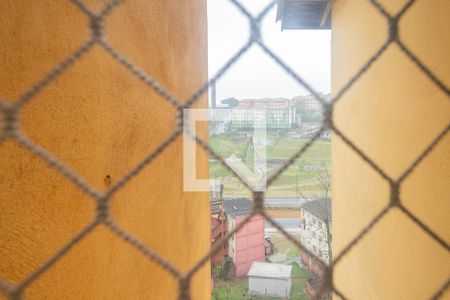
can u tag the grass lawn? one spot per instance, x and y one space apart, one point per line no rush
283 245
237 289
283 148
226 145
299 277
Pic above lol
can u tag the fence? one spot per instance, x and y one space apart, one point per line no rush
97 36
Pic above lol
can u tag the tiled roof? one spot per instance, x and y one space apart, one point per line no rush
320 208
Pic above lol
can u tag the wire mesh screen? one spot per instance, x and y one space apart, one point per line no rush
12 130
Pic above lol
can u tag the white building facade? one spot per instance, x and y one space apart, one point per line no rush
310 102
315 227
276 113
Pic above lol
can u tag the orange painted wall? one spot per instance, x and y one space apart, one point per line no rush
392 114
100 120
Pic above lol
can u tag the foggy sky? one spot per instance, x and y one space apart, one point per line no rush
256 75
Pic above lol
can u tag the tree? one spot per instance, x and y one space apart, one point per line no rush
314 117
227 269
323 180
231 102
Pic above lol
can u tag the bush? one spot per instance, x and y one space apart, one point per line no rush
312 117
228 269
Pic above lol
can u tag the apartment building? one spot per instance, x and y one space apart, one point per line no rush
276 113
315 227
309 103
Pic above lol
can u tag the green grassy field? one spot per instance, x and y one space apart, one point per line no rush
299 277
233 289
281 149
283 245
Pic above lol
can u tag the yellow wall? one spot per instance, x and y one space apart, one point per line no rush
392 113
100 120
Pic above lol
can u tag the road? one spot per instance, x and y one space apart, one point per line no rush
286 223
284 202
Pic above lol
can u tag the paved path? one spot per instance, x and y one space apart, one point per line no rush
284 202
285 223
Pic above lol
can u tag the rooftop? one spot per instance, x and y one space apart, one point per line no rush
237 206
320 208
304 14
265 102
269 270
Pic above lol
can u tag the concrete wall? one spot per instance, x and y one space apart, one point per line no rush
392 114
232 239
100 120
269 287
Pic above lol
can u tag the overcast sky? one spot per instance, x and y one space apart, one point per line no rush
256 75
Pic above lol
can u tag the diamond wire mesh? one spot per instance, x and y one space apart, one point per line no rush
12 130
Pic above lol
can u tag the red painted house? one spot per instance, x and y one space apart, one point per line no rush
248 244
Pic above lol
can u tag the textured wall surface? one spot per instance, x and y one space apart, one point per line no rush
249 244
100 120
392 113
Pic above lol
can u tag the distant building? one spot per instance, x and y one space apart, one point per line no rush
312 104
277 113
326 135
269 280
309 103
248 244
315 217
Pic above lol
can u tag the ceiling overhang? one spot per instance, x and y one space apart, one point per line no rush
304 14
